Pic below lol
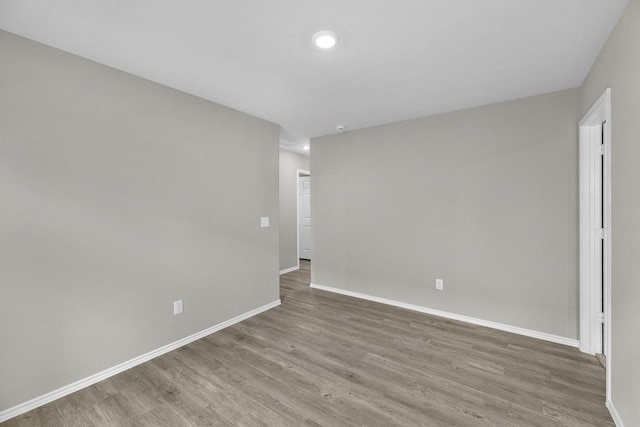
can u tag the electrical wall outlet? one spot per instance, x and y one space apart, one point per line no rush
264 221
439 284
177 307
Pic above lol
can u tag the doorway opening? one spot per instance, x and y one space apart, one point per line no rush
595 231
304 215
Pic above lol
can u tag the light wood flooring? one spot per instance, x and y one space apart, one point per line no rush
331 360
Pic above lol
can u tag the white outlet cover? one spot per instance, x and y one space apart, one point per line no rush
264 221
177 307
439 284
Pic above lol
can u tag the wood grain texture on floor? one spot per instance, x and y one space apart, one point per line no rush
322 359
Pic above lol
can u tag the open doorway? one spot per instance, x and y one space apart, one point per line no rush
595 232
304 215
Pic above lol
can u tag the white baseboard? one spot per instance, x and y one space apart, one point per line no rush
86 382
289 270
494 325
614 414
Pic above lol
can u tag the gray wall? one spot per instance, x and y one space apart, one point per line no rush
618 67
289 164
118 197
484 198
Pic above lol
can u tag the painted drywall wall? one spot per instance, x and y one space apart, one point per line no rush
618 67
118 197
290 163
484 198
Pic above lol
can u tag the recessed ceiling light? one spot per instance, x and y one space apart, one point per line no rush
341 128
325 39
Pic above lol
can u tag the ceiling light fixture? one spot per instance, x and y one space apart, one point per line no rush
341 128
325 39
306 147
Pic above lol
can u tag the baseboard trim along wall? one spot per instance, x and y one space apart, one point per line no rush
614 414
86 382
494 325
290 269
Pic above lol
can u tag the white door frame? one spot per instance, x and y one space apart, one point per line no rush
299 173
590 240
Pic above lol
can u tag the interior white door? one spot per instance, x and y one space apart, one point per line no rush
304 217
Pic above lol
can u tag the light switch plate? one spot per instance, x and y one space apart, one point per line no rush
264 221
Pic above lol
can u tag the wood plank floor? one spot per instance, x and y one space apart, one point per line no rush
331 360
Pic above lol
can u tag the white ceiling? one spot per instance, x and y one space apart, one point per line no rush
396 60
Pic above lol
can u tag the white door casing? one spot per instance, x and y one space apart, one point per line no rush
595 230
304 217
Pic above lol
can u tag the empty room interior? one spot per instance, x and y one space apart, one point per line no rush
333 213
